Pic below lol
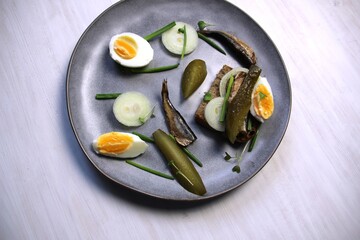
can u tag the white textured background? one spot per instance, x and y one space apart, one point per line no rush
309 190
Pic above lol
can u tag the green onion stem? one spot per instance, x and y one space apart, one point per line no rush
156 69
184 44
211 43
159 31
189 154
102 96
224 106
143 137
202 25
192 157
249 124
253 140
146 169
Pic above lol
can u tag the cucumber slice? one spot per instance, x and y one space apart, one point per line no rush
226 77
173 40
132 109
212 114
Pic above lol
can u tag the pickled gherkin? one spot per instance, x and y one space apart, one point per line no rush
239 107
180 166
194 75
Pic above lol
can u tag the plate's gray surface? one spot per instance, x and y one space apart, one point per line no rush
91 71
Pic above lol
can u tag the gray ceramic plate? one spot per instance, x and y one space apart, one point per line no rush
91 71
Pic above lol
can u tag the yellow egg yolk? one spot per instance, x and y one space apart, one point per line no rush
114 143
125 47
263 102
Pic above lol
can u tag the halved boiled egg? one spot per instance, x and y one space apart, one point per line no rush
262 100
119 144
130 50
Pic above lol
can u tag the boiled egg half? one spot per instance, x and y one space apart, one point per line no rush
262 100
130 50
119 145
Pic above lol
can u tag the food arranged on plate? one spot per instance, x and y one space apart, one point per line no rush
180 166
119 145
130 50
235 106
174 40
132 109
176 123
193 76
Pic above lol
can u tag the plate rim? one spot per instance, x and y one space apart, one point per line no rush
199 198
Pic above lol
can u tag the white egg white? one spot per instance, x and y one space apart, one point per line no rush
144 55
261 80
137 148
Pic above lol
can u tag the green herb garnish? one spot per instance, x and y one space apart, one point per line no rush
238 158
192 157
143 137
211 43
224 106
253 140
236 169
202 25
159 31
183 30
154 70
188 153
262 95
207 96
149 114
227 156
103 96
184 44
249 124
149 170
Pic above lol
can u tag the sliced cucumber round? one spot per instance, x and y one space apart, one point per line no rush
212 113
132 109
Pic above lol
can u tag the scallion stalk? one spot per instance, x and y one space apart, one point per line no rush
211 43
103 96
202 25
154 70
224 106
253 140
159 31
143 137
249 124
149 170
188 153
184 44
192 157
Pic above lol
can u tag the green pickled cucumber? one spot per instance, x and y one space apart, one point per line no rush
180 166
239 107
194 75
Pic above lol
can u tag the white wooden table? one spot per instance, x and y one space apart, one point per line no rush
309 189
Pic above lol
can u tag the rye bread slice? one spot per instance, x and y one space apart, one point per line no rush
214 91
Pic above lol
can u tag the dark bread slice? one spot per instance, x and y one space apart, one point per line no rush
214 91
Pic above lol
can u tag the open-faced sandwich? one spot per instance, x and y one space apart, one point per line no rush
238 101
